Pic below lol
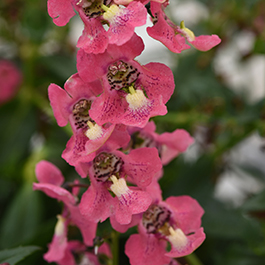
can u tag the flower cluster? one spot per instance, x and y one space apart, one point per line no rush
108 104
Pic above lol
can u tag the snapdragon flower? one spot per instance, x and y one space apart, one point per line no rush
132 93
73 104
139 167
109 173
120 21
172 36
177 221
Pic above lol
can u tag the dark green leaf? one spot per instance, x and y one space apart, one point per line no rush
13 256
22 217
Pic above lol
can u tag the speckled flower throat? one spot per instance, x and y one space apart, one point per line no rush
105 165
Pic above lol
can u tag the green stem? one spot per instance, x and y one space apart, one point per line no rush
115 248
192 259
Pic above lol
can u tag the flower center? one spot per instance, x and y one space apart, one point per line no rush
110 12
94 131
80 113
60 227
186 32
177 238
155 218
93 8
121 75
105 165
136 99
119 186
142 140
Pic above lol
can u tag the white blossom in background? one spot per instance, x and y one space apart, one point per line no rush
235 185
244 77
191 12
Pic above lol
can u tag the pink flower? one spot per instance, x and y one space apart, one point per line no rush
138 167
169 145
50 179
109 172
10 79
97 204
132 93
177 221
120 21
202 43
172 36
72 104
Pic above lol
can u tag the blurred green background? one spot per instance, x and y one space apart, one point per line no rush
219 100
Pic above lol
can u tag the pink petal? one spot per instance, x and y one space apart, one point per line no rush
94 37
122 25
78 89
61 11
119 137
46 172
187 212
146 250
173 144
164 33
194 241
60 101
96 204
108 108
155 191
158 80
55 192
128 51
205 42
136 218
133 202
141 165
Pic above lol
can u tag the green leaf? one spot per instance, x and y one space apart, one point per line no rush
22 218
238 254
224 222
14 255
